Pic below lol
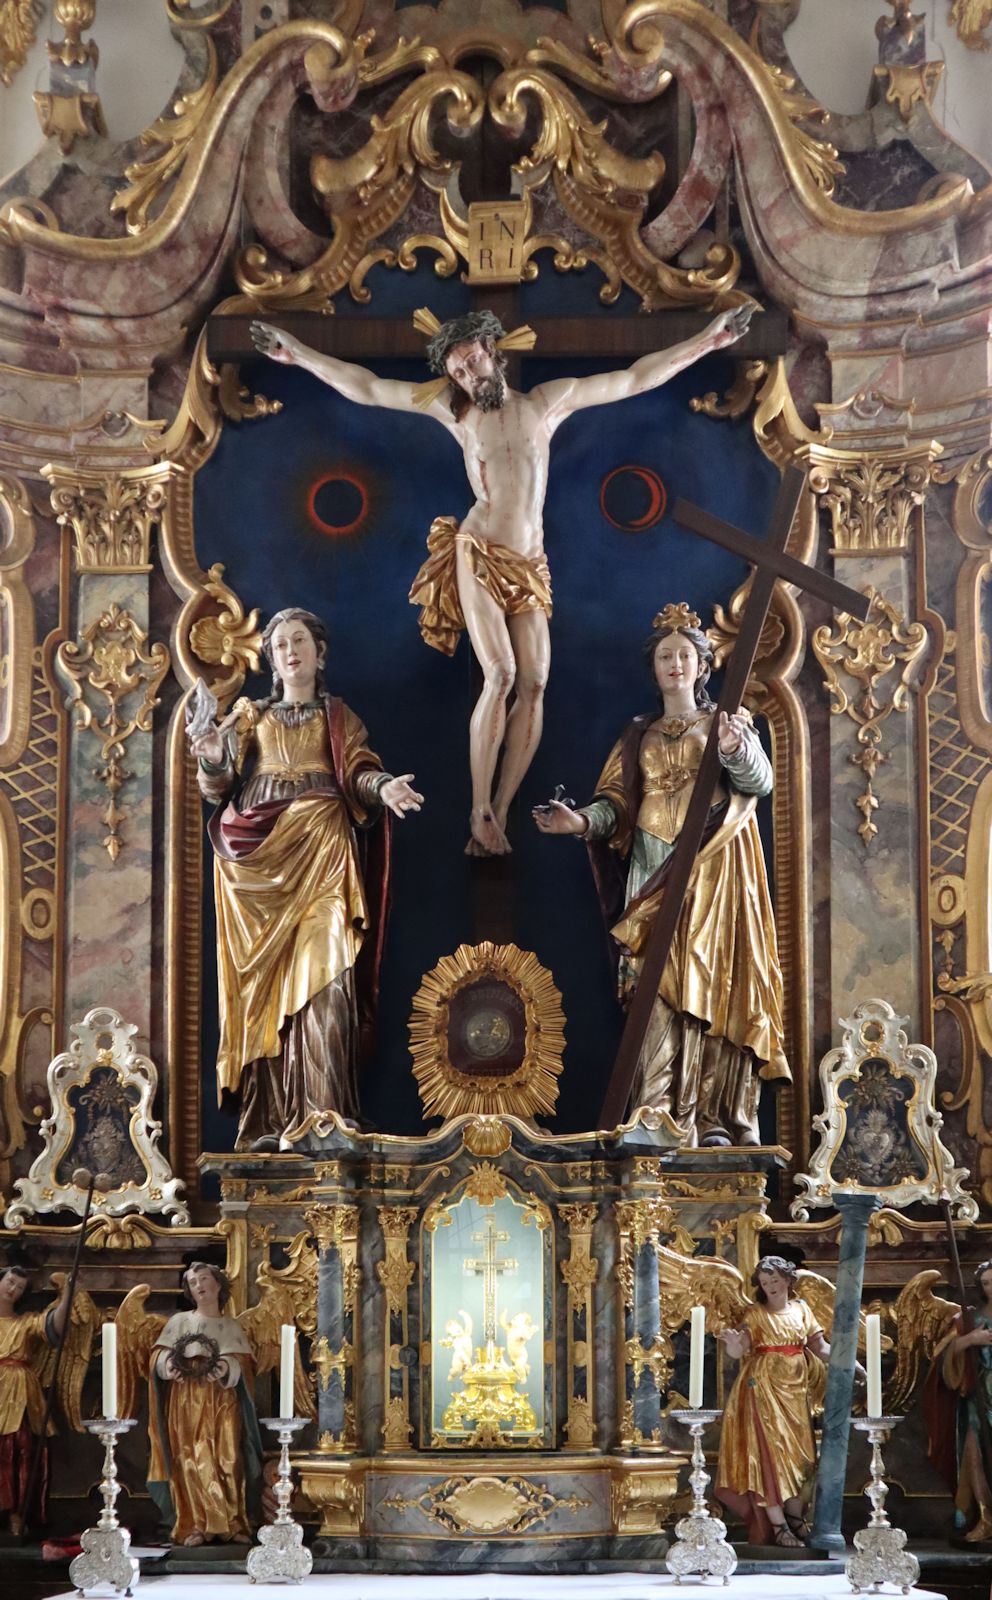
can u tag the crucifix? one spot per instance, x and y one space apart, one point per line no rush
490 1267
771 563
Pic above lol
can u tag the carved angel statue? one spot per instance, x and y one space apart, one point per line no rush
458 1339
27 1361
767 1454
205 1465
519 1329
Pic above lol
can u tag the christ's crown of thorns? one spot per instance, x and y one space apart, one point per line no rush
444 336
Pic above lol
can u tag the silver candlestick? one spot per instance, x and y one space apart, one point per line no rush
105 1559
701 1549
280 1555
879 1555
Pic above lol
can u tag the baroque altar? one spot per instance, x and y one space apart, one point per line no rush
491 1314
494 1363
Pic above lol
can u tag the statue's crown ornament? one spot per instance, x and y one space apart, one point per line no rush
675 617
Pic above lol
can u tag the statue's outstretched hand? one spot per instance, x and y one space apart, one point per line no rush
209 747
399 797
556 818
731 733
729 326
272 342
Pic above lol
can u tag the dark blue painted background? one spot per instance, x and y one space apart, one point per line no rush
251 514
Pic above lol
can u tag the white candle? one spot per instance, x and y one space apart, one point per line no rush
873 1351
696 1337
110 1369
286 1354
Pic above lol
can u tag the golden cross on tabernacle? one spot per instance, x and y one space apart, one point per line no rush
491 1267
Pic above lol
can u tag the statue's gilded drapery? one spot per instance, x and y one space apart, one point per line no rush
206 1454
719 1007
293 912
767 1454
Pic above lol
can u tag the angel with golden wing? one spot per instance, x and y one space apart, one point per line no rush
767 1461
28 1342
205 1464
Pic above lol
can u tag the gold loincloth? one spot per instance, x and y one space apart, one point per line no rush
517 583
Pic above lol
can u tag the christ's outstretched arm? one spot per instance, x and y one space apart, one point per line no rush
347 377
564 395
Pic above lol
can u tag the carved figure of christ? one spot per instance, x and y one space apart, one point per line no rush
505 438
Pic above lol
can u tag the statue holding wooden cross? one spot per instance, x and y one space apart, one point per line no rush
489 575
716 1022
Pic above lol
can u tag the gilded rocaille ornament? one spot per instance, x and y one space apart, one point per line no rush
108 669
880 1128
868 652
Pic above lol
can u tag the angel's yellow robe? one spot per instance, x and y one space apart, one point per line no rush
205 1461
767 1454
22 1403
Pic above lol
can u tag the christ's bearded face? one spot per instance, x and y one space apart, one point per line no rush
471 368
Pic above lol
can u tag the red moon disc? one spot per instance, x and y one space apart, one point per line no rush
656 498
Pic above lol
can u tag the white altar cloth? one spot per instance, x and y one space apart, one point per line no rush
503 1586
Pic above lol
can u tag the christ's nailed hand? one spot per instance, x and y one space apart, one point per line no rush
271 342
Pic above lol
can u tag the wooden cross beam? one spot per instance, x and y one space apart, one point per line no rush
620 339
770 563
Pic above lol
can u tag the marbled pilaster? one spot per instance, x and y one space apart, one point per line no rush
856 1211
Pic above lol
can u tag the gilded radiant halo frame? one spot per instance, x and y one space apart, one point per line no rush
530 1088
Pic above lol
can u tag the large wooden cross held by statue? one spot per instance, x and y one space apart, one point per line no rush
770 563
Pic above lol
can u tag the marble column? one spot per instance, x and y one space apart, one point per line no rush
112 673
856 1211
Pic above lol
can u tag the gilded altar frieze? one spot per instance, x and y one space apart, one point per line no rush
510 1505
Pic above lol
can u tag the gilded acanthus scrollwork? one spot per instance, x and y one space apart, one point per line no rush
111 515
18 25
298 1277
232 638
580 1272
872 499
114 690
396 1273
869 652
169 137
971 19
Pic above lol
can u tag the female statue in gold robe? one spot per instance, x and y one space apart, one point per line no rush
767 1455
298 920
718 1012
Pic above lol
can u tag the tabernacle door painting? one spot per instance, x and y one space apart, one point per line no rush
488 1278
328 504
